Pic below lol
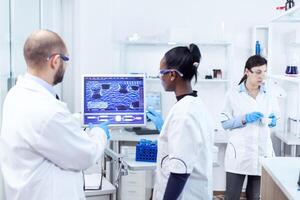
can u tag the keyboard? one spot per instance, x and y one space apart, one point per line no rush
146 131
143 131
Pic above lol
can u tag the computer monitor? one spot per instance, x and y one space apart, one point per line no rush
153 101
117 98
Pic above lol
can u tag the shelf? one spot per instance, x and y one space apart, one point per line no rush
262 27
198 80
147 43
213 80
152 79
294 44
286 78
292 15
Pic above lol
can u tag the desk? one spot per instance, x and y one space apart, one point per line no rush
289 139
123 135
279 178
118 135
104 194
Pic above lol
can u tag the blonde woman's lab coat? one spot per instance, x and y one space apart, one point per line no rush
248 144
43 146
185 146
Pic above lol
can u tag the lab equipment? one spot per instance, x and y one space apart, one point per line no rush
253 117
291 71
145 131
156 118
266 120
208 77
257 48
217 73
117 98
142 130
153 101
289 4
146 150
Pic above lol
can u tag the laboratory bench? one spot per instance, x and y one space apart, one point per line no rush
289 139
279 178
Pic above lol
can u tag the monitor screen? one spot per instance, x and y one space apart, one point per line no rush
117 98
153 101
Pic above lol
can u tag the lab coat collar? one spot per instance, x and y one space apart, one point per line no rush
27 82
194 94
262 88
41 82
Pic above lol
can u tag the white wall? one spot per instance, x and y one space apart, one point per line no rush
99 26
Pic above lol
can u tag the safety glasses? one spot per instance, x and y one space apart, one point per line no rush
166 71
62 56
258 72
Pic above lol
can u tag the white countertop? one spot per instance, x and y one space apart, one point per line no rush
139 165
285 173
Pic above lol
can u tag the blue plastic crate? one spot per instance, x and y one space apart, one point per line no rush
146 150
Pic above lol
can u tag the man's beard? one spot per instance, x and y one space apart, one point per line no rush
59 76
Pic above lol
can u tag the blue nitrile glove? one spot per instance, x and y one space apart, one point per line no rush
253 117
104 126
155 118
273 120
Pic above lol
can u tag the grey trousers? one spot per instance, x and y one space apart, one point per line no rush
234 185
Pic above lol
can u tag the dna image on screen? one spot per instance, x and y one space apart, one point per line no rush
118 99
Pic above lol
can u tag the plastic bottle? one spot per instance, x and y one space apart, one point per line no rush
257 48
